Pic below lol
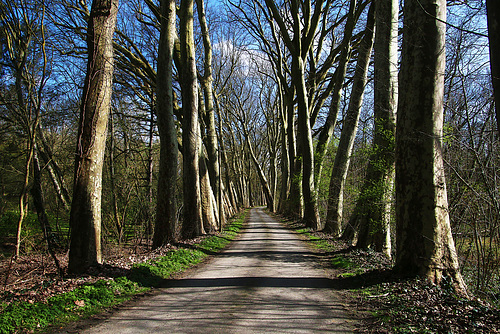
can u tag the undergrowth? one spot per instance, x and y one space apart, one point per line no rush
397 304
84 301
90 299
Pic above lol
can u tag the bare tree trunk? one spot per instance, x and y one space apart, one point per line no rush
209 210
30 135
299 46
207 83
373 207
221 193
493 10
166 205
333 223
338 82
260 174
229 184
285 166
85 218
311 213
424 243
285 169
295 201
149 176
23 197
193 223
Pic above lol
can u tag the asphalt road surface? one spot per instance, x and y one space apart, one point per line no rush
267 281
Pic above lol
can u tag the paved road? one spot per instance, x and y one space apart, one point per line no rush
267 281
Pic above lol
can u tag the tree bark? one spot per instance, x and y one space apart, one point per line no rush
295 200
260 173
193 223
424 243
285 169
209 208
166 206
338 83
85 218
149 174
207 83
373 207
493 13
299 46
340 168
311 213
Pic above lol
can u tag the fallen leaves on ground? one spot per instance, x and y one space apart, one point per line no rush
392 304
35 277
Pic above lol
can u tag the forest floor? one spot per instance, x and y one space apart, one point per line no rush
34 278
396 304
388 304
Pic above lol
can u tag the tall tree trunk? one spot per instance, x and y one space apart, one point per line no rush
229 184
85 218
149 174
220 195
30 136
343 157
299 46
295 201
424 243
166 205
285 166
209 210
260 173
493 12
207 83
193 223
273 177
338 83
373 207
285 169
23 197
311 213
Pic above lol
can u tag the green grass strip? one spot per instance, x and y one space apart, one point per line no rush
338 262
84 301
317 242
90 299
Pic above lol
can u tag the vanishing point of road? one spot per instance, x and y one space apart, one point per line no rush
266 281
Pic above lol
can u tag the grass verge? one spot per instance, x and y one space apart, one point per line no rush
90 299
350 268
315 240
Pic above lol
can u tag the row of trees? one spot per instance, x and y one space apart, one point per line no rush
261 101
297 40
